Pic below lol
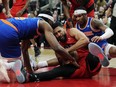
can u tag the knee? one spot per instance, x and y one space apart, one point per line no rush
112 51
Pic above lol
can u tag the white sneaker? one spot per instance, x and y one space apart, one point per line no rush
95 50
17 68
3 73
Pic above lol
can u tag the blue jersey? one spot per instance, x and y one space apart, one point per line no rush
12 31
90 33
27 27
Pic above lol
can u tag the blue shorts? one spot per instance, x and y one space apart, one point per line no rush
9 41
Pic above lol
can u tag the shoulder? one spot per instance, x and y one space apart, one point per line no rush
73 31
42 22
95 23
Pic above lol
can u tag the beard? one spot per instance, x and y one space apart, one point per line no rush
63 38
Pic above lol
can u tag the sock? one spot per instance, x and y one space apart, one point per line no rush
42 64
9 65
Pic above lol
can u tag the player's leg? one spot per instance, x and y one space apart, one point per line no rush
3 72
60 71
110 51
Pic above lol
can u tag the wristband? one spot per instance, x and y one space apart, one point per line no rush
108 33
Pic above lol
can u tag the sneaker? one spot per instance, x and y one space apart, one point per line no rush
95 50
19 71
3 73
37 51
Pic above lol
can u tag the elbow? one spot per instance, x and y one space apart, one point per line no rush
86 41
112 33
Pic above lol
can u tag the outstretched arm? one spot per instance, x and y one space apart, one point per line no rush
97 24
81 38
25 46
66 8
67 13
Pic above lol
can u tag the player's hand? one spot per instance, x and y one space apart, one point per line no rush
9 15
67 49
19 14
96 39
72 62
75 64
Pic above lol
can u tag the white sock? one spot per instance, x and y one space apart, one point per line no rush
42 64
9 65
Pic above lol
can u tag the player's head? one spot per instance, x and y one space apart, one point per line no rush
59 32
47 16
80 15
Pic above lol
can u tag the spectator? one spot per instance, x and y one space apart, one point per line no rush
68 11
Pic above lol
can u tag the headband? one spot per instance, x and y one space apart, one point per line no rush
80 11
46 16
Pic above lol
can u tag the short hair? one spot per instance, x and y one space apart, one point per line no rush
82 8
56 24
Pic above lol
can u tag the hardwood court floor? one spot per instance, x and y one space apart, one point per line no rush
106 77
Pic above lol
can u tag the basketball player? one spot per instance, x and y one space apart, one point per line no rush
24 29
75 43
19 9
69 9
97 33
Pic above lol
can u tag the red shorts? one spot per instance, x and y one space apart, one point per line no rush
84 70
16 9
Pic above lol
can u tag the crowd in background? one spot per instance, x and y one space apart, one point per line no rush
56 7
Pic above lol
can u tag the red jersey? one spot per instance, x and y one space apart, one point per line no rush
83 70
70 40
87 4
17 6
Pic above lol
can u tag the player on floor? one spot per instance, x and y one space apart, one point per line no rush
73 41
97 33
24 29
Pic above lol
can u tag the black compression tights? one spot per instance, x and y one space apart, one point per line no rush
60 71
